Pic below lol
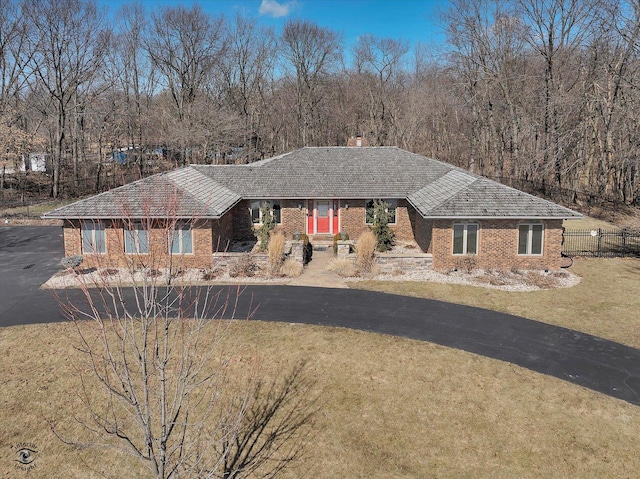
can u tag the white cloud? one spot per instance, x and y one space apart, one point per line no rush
275 9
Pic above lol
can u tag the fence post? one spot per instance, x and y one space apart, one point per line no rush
624 241
599 242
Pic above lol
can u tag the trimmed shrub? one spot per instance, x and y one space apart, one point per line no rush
366 250
263 232
276 252
383 233
338 237
291 268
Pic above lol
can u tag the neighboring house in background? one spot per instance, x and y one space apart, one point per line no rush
29 162
452 214
34 162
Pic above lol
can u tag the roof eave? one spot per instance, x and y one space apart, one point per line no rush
131 217
512 217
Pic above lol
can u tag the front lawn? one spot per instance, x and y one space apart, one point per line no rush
390 407
605 303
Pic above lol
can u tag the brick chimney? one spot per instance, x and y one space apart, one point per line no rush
357 141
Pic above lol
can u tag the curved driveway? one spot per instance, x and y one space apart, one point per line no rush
595 363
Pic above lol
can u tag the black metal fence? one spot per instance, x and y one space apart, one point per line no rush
601 243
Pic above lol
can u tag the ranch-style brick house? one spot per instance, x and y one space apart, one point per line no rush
454 215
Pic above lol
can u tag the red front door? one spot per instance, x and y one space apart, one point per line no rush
323 224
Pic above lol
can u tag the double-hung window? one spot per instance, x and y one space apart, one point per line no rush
465 238
136 240
530 239
93 237
257 207
370 208
181 239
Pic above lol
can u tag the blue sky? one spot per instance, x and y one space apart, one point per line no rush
410 20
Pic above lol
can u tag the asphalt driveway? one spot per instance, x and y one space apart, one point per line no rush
30 255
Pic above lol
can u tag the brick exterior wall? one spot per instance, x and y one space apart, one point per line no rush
158 257
497 239
72 238
353 220
422 231
497 247
241 221
222 233
293 219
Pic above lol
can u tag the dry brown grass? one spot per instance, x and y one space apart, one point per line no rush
390 407
34 210
605 303
588 223
291 268
276 251
343 267
365 250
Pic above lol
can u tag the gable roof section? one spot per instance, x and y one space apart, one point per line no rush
436 189
459 194
182 193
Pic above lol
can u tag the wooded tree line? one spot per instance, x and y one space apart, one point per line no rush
538 90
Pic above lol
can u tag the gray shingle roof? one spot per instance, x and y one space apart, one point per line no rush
434 188
332 172
441 190
182 193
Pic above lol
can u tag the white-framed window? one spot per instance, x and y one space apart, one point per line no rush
530 238
93 237
465 238
181 239
136 239
258 205
392 204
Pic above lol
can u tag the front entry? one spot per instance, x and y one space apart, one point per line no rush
322 217
323 225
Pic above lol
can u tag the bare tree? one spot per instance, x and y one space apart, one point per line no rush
70 43
379 63
157 378
185 45
134 79
247 69
557 31
313 52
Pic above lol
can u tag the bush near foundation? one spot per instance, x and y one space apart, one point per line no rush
276 252
383 233
366 250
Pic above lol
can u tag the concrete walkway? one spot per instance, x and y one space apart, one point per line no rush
316 274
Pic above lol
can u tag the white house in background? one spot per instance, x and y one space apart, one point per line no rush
34 162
